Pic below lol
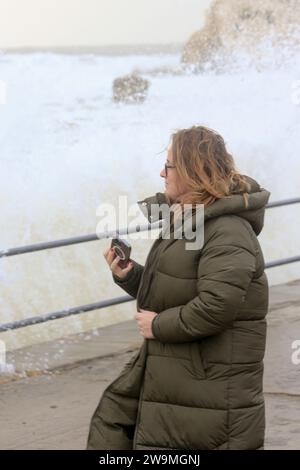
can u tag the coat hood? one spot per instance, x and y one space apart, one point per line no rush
235 204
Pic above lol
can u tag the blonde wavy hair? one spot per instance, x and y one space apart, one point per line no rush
205 167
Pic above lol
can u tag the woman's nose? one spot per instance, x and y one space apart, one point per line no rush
162 173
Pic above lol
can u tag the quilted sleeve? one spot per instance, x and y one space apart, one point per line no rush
224 275
131 282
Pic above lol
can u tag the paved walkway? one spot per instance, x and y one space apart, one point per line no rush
48 404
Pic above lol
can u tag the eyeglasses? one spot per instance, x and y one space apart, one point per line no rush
168 166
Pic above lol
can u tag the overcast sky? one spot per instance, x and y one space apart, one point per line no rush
46 23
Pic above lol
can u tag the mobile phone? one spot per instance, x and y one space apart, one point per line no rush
122 248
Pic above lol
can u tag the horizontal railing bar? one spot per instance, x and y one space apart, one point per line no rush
64 313
280 262
286 202
104 303
74 240
93 237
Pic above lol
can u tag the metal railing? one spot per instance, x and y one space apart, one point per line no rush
20 250
93 237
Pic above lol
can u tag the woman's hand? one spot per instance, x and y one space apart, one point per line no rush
145 319
112 261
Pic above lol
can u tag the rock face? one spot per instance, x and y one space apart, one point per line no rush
234 26
130 88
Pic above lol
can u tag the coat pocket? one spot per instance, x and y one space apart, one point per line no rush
196 360
130 379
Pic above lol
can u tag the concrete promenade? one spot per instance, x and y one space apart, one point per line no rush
49 402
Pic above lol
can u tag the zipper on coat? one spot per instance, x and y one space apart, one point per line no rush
148 261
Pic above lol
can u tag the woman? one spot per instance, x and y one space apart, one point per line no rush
196 382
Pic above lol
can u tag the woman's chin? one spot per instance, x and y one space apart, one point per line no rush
169 196
167 192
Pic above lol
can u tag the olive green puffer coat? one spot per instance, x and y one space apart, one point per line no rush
198 384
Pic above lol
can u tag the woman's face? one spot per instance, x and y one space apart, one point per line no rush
173 186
